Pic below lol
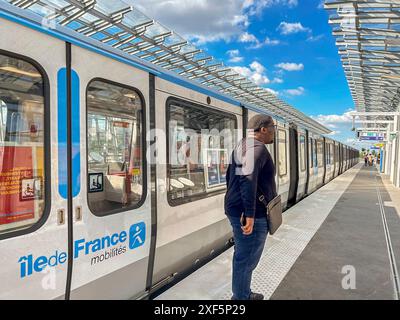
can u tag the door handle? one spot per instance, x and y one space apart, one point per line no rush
78 214
61 217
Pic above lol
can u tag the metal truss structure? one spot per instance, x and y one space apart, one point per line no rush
368 37
117 24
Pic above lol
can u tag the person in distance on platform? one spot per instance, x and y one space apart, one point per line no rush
251 169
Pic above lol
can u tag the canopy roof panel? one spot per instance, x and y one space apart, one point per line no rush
117 24
368 37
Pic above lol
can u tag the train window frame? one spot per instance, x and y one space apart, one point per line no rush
46 148
143 149
189 104
286 153
303 162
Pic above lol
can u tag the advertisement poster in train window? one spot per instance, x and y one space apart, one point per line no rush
217 165
212 167
20 185
223 165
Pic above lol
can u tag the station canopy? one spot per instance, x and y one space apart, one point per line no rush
368 37
117 24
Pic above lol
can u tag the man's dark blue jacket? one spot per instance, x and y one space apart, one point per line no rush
251 165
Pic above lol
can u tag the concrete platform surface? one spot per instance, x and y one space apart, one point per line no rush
324 239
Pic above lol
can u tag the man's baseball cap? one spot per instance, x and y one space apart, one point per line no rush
260 121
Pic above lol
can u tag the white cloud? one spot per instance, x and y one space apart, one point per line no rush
256 44
234 56
286 28
247 37
255 73
290 66
200 21
331 119
203 21
258 67
269 42
295 92
316 38
275 93
257 6
277 80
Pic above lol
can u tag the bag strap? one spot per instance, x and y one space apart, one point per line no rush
261 198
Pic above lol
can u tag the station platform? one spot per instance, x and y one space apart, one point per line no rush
340 243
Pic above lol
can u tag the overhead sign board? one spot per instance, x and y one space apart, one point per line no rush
372 136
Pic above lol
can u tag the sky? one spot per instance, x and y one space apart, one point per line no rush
283 45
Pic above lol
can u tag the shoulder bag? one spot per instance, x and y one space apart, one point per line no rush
274 212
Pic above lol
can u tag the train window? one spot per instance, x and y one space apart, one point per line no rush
303 153
22 143
115 152
282 143
315 154
311 154
320 154
327 154
200 143
337 158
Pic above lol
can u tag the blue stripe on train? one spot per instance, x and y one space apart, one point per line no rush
62 134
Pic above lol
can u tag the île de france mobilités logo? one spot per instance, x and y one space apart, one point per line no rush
103 248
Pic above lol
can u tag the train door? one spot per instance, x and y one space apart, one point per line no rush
112 206
341 159
294 165
302 164
283 163
320 151
337 159
313 170
308 162
33 228
325 160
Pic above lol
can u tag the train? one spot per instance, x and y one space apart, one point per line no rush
112 181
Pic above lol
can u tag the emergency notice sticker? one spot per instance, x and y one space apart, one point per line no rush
18 186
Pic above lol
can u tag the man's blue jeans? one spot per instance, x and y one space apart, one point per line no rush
248 250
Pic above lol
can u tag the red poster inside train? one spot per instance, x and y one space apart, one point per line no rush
18 186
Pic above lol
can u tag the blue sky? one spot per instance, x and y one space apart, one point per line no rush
284 45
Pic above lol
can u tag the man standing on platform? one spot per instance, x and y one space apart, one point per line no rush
250 173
